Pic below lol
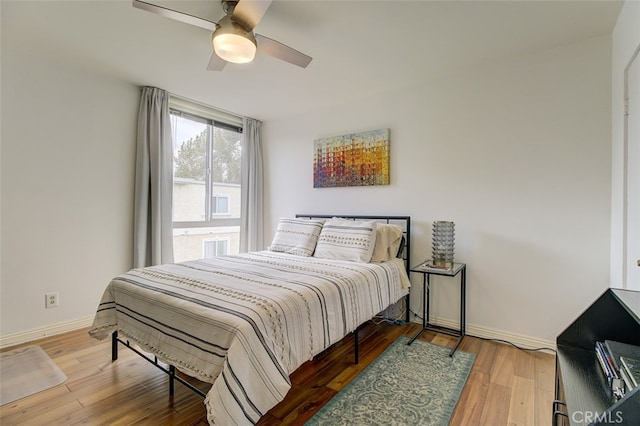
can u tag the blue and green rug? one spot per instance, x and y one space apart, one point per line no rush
406 385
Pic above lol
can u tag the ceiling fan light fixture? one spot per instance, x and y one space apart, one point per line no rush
233 43
234 48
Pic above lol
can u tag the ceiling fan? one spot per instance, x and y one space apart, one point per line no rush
233 37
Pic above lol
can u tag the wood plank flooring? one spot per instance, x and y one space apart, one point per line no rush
506 386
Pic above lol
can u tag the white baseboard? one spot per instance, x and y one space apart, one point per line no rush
472 330
520 340
39 333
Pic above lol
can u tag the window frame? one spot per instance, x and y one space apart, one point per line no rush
212 118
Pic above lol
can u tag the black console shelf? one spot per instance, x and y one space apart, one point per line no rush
582 394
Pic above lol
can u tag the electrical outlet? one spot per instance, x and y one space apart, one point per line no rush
51 300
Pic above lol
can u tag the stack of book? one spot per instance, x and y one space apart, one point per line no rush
620 364
630 371
609 369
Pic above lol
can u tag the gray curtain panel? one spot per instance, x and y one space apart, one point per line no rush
153 239
252 201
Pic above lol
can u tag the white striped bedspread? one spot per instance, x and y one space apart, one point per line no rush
245 322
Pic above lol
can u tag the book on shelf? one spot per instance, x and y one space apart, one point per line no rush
620 363
611 373
619 349
606 361
631 367
628 384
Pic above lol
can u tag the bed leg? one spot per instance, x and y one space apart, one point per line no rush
408 308
355 344
114 346
172 376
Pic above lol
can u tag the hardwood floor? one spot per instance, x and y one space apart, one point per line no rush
506 386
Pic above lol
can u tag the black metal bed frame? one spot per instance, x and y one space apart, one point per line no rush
170 370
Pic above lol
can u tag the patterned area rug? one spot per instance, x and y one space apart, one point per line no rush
406 385
26 371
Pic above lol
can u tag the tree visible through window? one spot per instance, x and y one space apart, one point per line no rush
225 156
206 189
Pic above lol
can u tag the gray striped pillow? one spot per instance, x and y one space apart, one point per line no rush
347 240
296 236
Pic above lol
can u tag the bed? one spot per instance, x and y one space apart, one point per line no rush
244 323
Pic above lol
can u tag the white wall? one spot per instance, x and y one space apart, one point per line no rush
625 40
517 153
68 150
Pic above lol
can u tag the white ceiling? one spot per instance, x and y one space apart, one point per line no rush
358 47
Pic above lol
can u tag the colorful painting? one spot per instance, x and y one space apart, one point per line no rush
356 159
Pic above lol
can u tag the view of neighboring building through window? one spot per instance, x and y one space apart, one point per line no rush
206 184
213 248
220 204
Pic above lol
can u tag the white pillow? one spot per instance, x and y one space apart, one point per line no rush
296 236
388 238
344 239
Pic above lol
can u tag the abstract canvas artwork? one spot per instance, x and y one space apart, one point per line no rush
355 159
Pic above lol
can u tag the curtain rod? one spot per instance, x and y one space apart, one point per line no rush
183 98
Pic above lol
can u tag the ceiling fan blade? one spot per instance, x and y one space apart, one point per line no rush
250 12
278 50
174 14
216 63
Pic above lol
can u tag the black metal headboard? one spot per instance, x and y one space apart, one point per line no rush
403 221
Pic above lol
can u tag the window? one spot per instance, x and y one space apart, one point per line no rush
220 204
206 181
213 248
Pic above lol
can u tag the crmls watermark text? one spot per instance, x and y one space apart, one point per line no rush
587 417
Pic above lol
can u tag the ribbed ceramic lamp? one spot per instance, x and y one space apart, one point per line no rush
442 248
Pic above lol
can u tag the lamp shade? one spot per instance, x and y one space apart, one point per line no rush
442 243
233 43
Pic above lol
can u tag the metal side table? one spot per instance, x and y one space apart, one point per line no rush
426 269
